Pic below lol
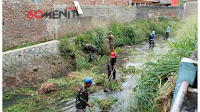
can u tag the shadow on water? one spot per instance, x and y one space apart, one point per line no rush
13 99
134 56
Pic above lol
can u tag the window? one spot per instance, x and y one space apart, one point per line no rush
36 1
147 4
142 4
137 4
133 4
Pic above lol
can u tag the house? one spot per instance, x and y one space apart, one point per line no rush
143 2
152 2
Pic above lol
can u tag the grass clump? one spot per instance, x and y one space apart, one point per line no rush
99 59
58 83
120 50
22 90
114 85
19 91
127 70
82 62
22 45
124 35
28 104
105 104
156 75
6 96
67 46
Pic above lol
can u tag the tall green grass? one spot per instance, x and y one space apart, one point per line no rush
125 34
66 47
82 62
137 31
155 74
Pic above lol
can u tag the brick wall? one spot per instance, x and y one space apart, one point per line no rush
93 2
18 29
104 2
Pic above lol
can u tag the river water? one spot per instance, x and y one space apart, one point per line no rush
134 56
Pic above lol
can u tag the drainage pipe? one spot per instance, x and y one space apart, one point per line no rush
178 103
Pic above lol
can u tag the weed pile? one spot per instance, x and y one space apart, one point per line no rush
105 104
164 99
126 71
114 85
156 75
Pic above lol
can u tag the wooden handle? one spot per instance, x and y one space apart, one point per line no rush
109 79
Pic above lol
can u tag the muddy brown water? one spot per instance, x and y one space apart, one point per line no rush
134 56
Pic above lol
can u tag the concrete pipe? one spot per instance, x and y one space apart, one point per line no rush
178 103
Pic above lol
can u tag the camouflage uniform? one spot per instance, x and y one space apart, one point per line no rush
89 49
110 67
111 42
107 43
81 98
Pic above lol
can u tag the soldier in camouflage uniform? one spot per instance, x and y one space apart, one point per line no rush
89 49
111 65
111 39
82 95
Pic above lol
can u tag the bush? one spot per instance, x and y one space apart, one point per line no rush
67 47
81 61
114 85
124 35
99 41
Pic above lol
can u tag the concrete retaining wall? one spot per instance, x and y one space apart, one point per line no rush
28 65
191 8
